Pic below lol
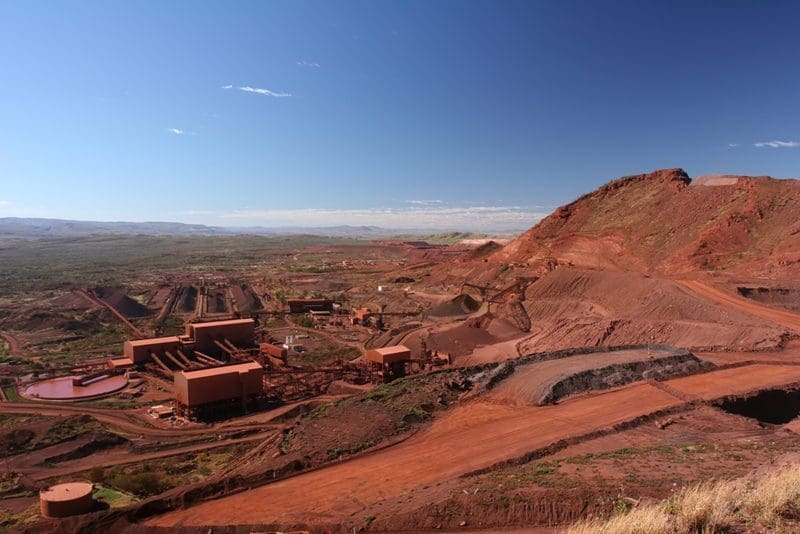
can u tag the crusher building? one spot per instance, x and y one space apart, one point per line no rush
219 391
207 336
391 361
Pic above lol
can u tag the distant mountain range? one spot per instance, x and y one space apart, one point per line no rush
28 228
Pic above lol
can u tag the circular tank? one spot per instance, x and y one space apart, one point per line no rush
63 500
65 388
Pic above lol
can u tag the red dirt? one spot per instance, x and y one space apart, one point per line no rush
654 222
495 432
579 307
782 317
736 381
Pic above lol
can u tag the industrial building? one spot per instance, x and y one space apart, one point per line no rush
63 500
360 316
307 305
218 391
139 351
240 332
215 338
392 361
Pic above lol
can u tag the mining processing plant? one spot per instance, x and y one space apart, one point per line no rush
223 368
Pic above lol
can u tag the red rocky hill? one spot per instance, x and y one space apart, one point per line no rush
664 222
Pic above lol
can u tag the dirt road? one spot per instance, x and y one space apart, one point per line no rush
124 457
736 381
782 317
115 418
13 344
473 436
494 432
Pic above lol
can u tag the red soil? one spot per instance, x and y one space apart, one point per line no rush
579 307
736 381
782 317
654 222
495 432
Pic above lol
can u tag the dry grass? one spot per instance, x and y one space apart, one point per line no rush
772 494
641 520
709 507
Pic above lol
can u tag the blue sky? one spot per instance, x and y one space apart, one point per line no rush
476 115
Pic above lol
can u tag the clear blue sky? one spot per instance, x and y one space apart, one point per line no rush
390 113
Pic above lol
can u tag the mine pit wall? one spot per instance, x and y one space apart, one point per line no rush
773 406
566 353
624 373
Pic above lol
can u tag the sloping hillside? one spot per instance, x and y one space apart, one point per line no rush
572 307
664 222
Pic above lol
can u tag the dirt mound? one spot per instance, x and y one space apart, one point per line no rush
654 222
121 302
579 307
462 338
72 300
87 323
461 305
485 249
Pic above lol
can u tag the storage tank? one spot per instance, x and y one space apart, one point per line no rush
63 500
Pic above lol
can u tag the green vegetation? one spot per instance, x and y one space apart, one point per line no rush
286 442
338 452
69 428
305 321
544 474
108 260
11 521
151 478
109 336
114 498
12 394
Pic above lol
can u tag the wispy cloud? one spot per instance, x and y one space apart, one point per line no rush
309 64
262 91
423 202
778 144
227 87
176 131
434 217
733 145
5 203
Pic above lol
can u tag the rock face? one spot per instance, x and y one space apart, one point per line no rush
658 223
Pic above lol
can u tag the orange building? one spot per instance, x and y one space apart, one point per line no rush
138 350
240 332
390 355
232 385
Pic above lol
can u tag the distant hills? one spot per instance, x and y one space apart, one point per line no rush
30 228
